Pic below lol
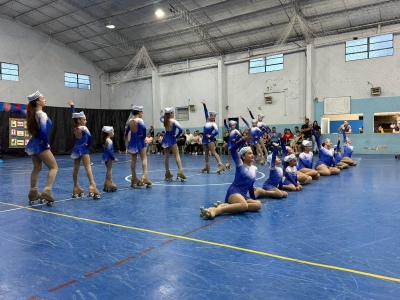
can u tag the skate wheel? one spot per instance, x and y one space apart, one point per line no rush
218 203
50 203
41 201
96 197
81 194
148 186
74 195
31 202
104 190
202 211
90 195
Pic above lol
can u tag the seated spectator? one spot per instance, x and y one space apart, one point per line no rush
156 148
296 142
288 136
194 143
273 137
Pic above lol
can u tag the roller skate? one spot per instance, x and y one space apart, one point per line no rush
34 195
181 176
78 192
221 168
145 181
227 166
263 160
168 176
48 197
109 186
93 192
202 209
135 182
206 168
208 213
218 203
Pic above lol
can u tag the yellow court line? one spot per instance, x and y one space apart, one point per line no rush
305 262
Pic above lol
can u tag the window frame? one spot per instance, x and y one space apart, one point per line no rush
370 47
9 76
180 114
77 81
265 64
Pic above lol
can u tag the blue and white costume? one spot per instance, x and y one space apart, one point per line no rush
234 135
169 138
82 145
210 128
338 155
290 176
305 160
245 176
136 143
347 149
256 134
275 173
260 124
108 151
325 155
40 142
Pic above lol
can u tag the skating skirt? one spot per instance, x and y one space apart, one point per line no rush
168 141
206 140
267 186
79 150
35 146
136 146
233 190
105 158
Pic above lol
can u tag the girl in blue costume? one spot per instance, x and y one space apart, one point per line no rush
256 134
80 152
107 132
38 148
233 135
264 128
287 150
338 156
236 199
325 165
290 183
305 161
347 150
137 146
169 143
272 187
210 131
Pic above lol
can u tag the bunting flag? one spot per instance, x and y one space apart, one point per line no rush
12 107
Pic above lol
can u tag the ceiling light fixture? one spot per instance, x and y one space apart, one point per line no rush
159 13
110 25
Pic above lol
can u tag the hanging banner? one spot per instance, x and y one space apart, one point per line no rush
19 135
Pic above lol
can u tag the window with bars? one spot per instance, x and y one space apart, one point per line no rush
79 81
266 64
182 113
9 71
372 47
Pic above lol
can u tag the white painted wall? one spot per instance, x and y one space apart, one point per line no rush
42 62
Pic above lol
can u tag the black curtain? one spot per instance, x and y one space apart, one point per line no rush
61 137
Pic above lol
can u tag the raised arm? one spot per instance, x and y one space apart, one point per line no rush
274 154
226 124
235 155
283 146
344 137
71 104
245 122
251 115
205 109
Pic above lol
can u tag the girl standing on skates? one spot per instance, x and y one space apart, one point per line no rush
236 199
38 148
80 152
107 133
233 135
137 146
169 143
210 131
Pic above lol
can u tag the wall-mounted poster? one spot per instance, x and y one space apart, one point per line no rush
19 135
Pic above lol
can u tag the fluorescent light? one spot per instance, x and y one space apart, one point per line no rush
110 25
159 13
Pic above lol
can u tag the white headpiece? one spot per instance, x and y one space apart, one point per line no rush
137 107
107 129
34 96
261 115
307 143
78 115
212 112
289 157
244 150
232 122
168 110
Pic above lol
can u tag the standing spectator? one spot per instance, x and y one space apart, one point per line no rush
151 131
345 126
317 130
306 130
